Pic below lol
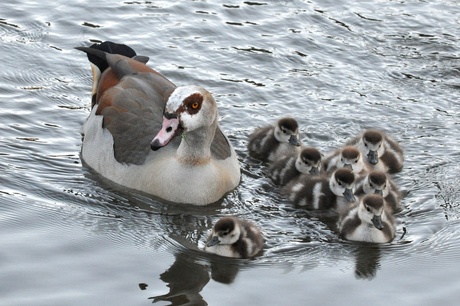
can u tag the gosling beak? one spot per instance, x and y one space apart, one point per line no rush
377 221
349 196
294 141
349 166
314 170
373 157
379 192
214 240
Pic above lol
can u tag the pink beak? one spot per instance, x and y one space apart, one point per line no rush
169 129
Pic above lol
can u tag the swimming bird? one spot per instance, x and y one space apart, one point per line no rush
368 221
130 134
272 142
382 152
378 182
289 167
235 237
334 193
348 157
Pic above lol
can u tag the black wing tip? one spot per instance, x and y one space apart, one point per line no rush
97 53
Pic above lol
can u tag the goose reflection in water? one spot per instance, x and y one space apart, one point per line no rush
186 278
367 261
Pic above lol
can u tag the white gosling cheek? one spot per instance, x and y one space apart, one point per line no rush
280 136
299 165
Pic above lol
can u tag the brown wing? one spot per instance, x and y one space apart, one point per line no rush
131 97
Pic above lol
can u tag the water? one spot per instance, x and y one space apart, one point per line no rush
70 238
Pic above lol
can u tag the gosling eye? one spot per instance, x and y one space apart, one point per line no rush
356 161
368 209
365 144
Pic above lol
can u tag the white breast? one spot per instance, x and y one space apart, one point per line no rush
365 232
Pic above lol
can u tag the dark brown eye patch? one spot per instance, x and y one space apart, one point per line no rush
193 103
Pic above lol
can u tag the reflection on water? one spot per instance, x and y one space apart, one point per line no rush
223 271
367 261
185 280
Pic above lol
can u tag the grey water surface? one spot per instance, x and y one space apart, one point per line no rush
68 237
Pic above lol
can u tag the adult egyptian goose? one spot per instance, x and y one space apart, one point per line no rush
130 134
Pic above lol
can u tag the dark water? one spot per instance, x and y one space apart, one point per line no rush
69 238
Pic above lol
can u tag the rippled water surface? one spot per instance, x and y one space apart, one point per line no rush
70 238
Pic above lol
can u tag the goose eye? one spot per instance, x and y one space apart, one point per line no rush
193 103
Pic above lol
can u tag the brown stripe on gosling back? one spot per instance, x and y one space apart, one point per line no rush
288 123
373 136
373 200
350 153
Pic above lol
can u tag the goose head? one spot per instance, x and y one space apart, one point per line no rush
350 157
287 131
342 184
372 141
376 182
189 108
309 161
371 210
225 231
